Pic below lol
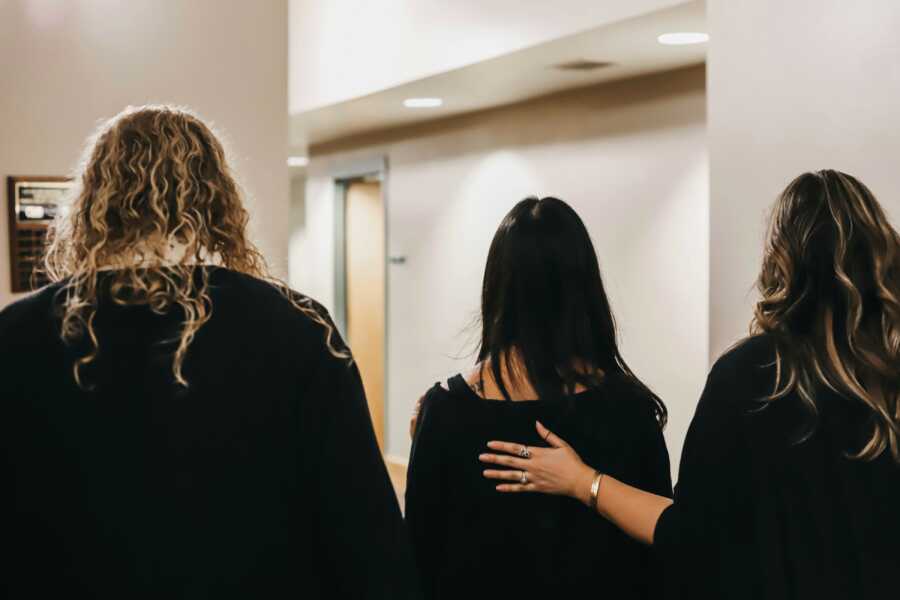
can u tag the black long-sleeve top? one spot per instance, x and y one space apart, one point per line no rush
472 541
757 514
263 479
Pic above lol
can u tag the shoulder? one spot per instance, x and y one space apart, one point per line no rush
28 314
632 400
440 400
35 303
429 409
269 309
435 398
747 359
228 282
739 379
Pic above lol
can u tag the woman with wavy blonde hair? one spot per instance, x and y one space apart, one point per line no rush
790 475
178 422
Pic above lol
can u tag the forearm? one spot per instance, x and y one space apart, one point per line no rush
632 510
559 470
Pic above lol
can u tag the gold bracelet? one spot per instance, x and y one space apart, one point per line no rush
595 490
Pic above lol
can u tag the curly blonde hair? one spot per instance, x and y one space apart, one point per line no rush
154 198
829 282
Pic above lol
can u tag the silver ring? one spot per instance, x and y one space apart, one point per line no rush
524 478
524 452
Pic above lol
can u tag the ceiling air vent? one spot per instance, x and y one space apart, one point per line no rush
582 65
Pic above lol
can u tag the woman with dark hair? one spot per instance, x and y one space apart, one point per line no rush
790 477
549 352
177 423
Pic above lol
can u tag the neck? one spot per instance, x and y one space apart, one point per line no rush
146 255
515 378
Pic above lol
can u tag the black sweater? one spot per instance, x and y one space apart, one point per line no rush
263 479
758 515
472 541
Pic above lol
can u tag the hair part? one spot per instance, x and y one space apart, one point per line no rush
829 283
154 198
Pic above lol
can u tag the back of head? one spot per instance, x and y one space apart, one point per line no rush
543 299
829 282
154 198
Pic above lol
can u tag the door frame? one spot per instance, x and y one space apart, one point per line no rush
368 169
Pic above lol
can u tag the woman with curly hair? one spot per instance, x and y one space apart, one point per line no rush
176 422
790 476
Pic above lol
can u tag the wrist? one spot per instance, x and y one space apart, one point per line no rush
582 485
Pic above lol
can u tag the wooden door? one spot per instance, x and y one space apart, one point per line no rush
365 273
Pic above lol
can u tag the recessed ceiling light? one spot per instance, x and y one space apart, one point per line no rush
682 38
422 102
297 161
583 65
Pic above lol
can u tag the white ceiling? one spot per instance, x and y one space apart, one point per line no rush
630 45
344 49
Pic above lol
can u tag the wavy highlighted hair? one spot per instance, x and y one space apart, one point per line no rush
154 198
829 282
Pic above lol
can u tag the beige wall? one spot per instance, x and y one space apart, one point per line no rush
793 86
630 157
297 228
65 65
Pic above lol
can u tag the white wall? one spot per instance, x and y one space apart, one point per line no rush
793 86
343 49
65 65
630 157
297 226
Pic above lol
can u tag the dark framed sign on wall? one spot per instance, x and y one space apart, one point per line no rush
33 204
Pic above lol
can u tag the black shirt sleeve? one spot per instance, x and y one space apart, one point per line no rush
365 550
653 475
425 510
703 534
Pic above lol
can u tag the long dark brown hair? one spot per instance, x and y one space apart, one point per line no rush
543 302
829 283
